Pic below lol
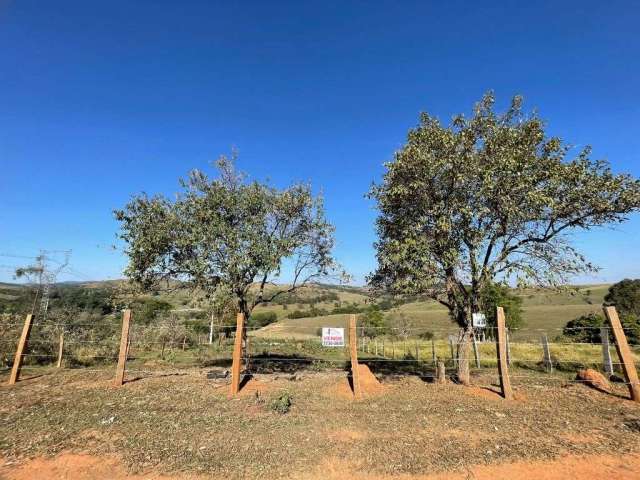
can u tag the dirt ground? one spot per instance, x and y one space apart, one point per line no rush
85 467
74 425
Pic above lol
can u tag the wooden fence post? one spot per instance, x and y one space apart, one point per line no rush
606 352
501 345
476 351
353 352
60 349
237 354
624 353
548 364
124 347
22 345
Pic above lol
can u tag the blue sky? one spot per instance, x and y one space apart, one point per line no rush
102 100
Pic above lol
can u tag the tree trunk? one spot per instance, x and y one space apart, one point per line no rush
464 344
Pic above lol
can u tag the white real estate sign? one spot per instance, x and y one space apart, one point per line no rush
479 320
332 337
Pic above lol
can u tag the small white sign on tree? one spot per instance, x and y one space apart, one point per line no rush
479 320
332 337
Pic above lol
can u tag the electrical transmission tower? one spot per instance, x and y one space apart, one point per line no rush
46 277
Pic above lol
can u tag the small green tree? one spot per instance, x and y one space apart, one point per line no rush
229 233
488 198
498 295
373 322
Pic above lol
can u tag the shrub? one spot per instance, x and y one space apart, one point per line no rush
262 319
282 403
584 329
347 309
373 322
314 312
625 296
147 310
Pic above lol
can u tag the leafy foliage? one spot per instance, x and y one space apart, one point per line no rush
228 232
262 319
282 403
584 329
489 197
149 309
373 322
497 295
625 296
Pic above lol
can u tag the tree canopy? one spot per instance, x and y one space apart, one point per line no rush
229 233
490 198
485 198
625 296
497 295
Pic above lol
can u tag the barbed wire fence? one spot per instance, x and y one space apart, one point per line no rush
172 346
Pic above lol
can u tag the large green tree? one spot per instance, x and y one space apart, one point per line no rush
489 198
229 234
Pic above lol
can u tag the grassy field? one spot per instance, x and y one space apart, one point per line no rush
543 310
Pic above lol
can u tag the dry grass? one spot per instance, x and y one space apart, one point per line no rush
186 423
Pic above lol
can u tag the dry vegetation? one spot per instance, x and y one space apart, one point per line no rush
186 423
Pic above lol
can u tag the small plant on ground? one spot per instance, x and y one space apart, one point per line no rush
282 403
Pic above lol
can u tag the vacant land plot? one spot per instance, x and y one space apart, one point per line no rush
543 310
185 424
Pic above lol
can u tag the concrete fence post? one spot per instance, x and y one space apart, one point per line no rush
606 352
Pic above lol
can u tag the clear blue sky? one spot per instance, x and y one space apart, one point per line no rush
101 100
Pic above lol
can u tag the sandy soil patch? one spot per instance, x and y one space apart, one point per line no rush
595 467
68 466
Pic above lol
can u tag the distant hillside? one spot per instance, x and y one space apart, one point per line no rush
314 304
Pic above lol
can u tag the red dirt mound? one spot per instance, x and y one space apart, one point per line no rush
594 379
369 383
